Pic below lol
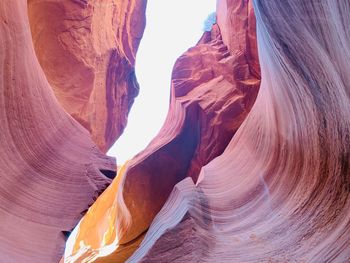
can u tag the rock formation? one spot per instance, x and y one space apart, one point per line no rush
87 50
50 169
213 88
242 170
280 191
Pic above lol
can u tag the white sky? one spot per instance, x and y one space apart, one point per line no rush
172 27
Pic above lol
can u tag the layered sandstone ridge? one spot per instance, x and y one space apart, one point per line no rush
212 91
50 169
87 50
281 190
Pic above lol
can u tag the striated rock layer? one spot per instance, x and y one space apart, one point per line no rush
87 50
213 89
50 169
281 190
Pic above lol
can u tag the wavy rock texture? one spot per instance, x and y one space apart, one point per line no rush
213 89
280 191
87 50
50 169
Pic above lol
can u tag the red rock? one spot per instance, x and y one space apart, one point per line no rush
227 179
87 50
280 191
50 170
210 85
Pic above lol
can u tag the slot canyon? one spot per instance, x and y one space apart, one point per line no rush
252 163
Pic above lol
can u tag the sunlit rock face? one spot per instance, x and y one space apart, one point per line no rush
280 191
87 50
51 171
212 91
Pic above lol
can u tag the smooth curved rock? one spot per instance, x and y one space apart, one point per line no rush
281 190
50 170
87 50
210 84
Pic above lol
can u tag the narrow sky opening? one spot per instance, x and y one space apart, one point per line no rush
172 27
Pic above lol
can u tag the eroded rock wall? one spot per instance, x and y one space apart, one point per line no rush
49 167
228 178
87 50
212 91
51 171
280 191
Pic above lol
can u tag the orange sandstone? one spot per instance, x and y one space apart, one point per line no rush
87 50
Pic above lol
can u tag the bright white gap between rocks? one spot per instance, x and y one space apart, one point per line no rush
172 27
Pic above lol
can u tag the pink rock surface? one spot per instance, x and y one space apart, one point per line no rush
236 174
87 50
50 170
280 191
